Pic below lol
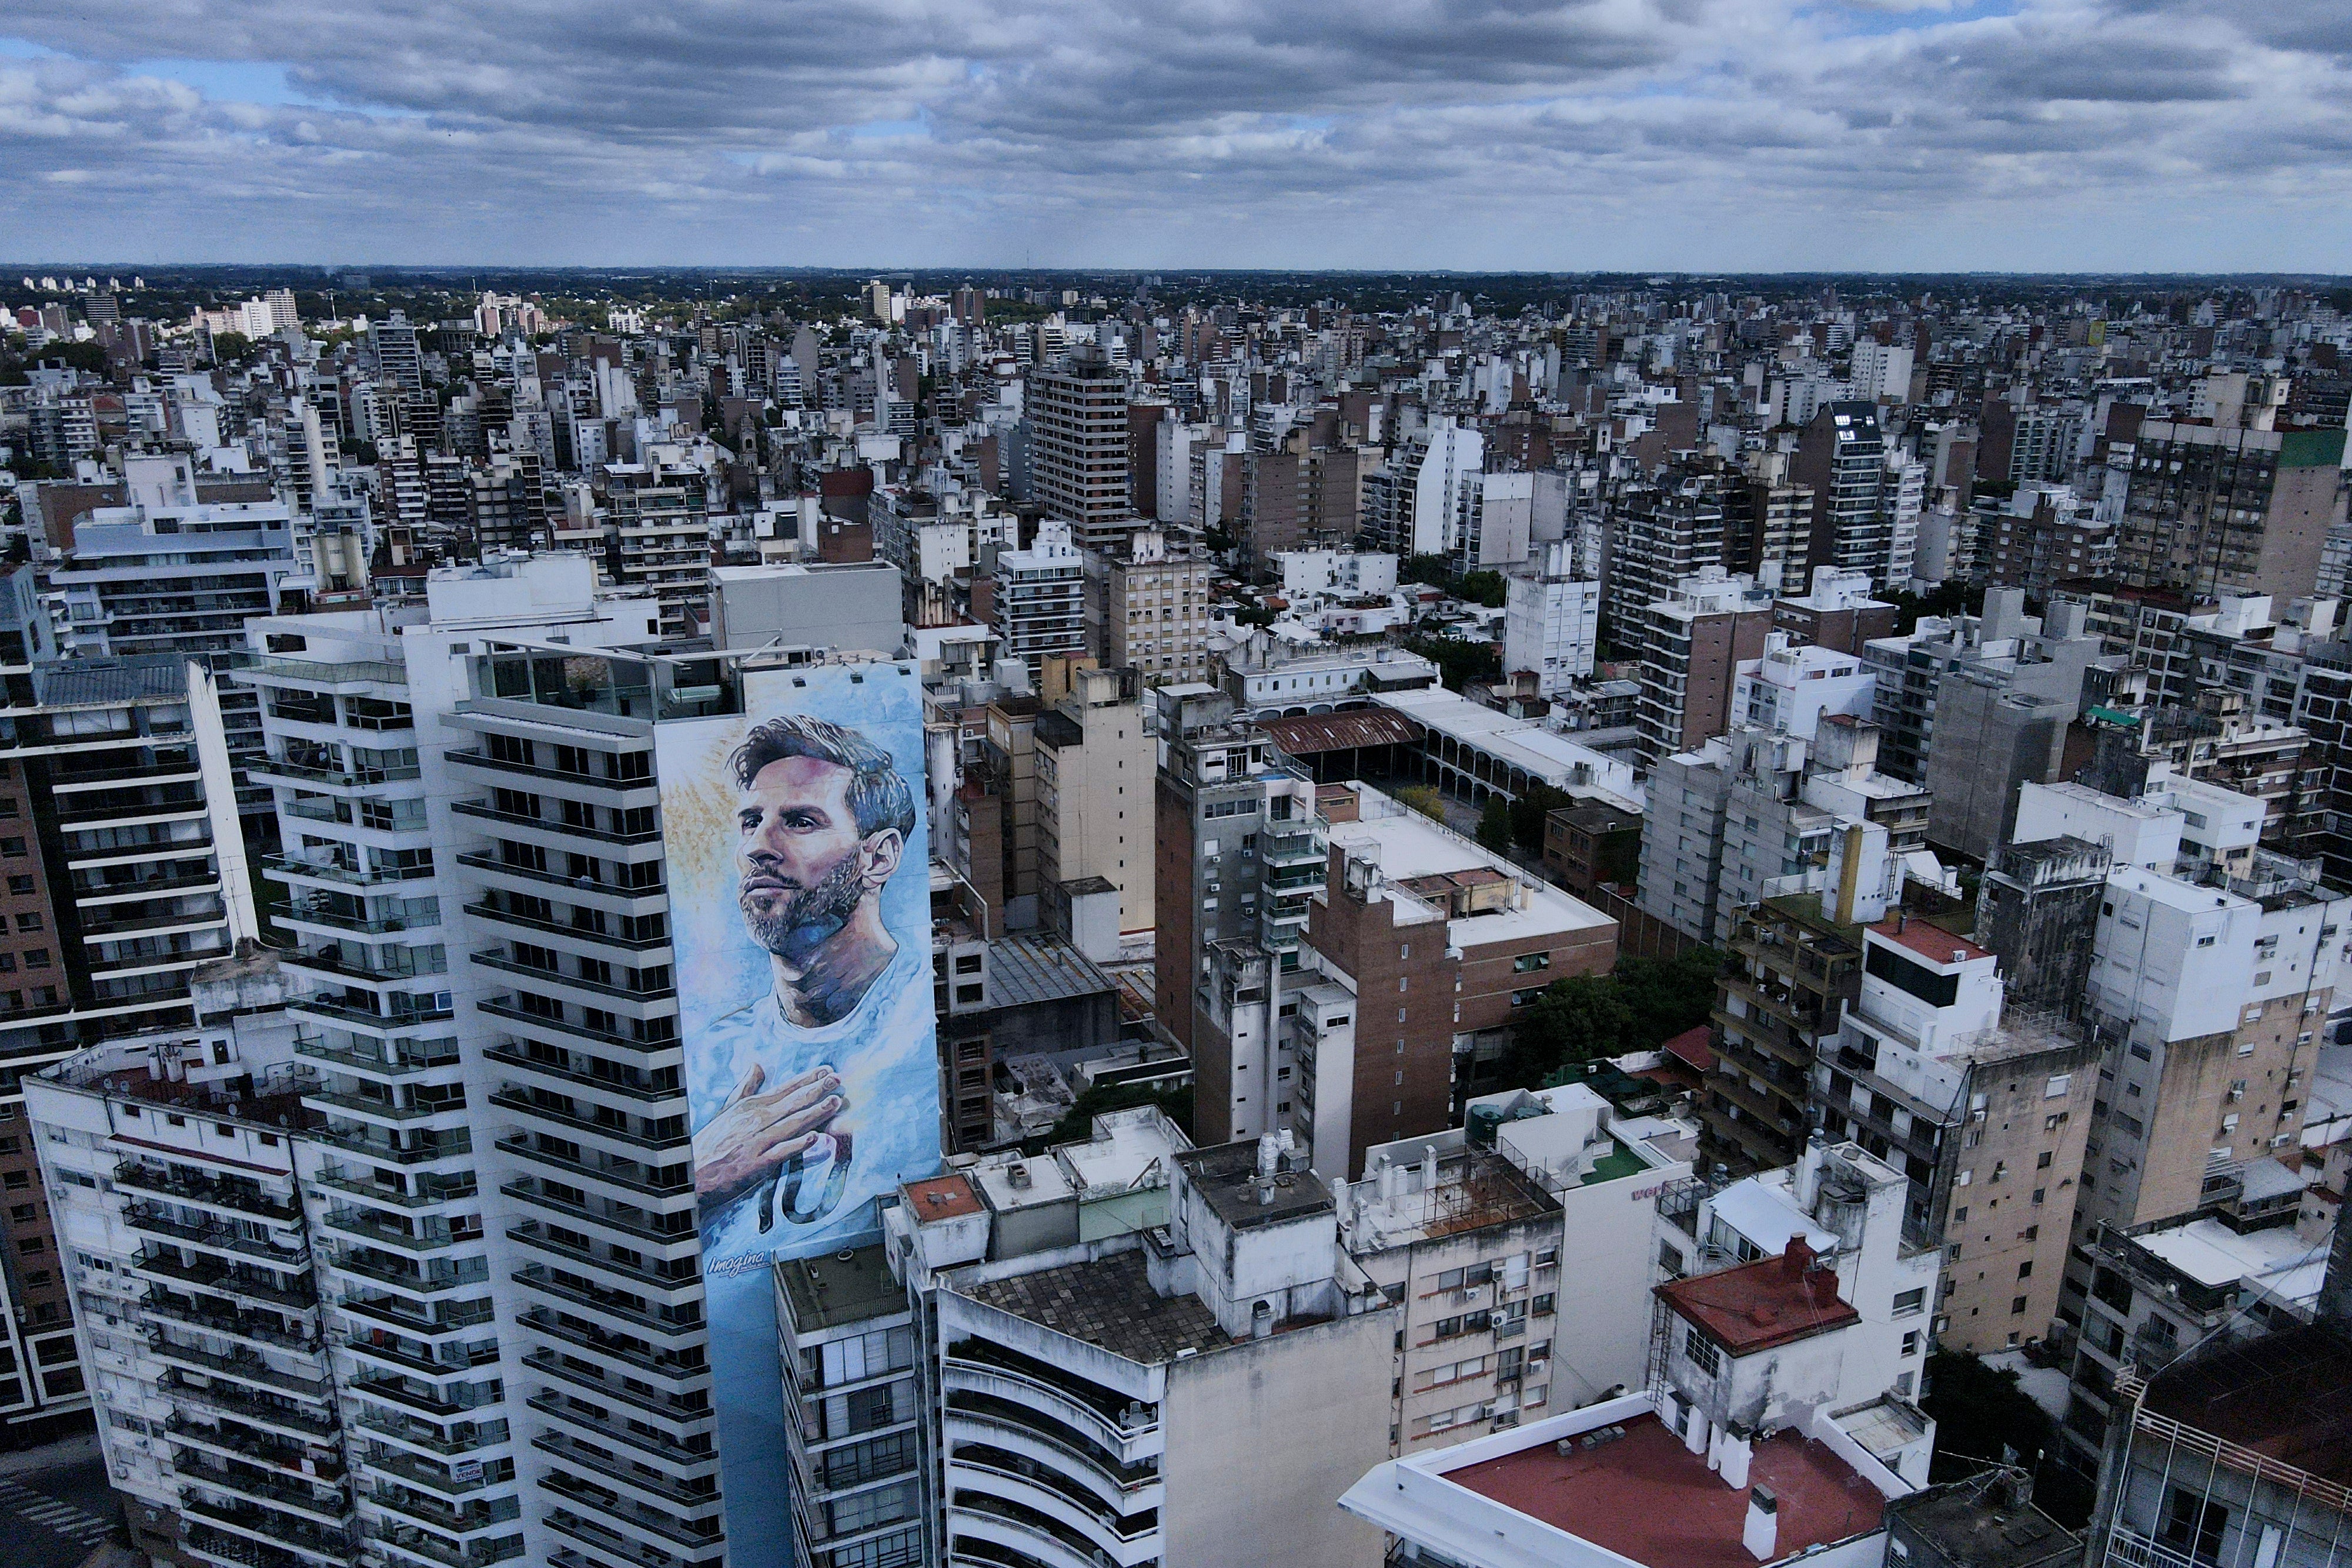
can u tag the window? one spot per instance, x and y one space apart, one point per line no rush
1908 1301
1702 1352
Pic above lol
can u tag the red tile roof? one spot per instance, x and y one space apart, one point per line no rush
1932 943
1694 1046
942 1197
1647 1497
1772 1302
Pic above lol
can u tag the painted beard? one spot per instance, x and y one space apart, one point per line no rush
811 915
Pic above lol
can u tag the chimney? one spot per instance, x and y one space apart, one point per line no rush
1762 1533
1737 1452
1808 1169
1797 1259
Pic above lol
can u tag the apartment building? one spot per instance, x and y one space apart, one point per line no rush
174 1163
1692 640
857 1414
125 874
1791 971
1551 622
1155 612
1240 847
1760 1435
1077 417
1846 1207
1412 914
1140 1351
1985 1113
1757 814
1038 599
2207 999
482 979
171 575
1659 535
2161 1290
2212 510
1517 1248
658 532
1094 763
2007 651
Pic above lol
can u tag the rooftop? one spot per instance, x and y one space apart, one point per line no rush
1225 1175
1026 970
1929 941
1756 1306
1988 1520
840 1288
946 1196
1109 1302
1647 1497
1309 735
2283 1396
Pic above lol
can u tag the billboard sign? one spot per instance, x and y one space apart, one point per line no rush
800 911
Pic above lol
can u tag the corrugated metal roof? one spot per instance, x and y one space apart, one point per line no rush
1022 969
1305 735
93 682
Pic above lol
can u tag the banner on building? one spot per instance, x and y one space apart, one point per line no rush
800 912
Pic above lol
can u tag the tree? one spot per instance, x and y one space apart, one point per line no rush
228 348
1434 570
1495 825
1536 802
1484 588
1982 1413
1459 661
1574 1022
1078 1121
1424 799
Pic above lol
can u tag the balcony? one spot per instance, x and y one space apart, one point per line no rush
357 961
683 1411
303 1421
556 879
651 1183
454 1519
485 910
259 1328
218 1278
419 1283
431 1193
260 1486
597 1343
687 1496
248 1368
555 1406
621 1305
521 1062
531 1234
553 826
523 1105
238 1444
604 1538
403 1058
383 1109
493 958
234 1197
350 1015
460 1438
152 1221
405 1546
416 1472
444 1145
342 873
358 1223
504 1008
527 1189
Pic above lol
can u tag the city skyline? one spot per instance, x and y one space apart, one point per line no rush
2139 134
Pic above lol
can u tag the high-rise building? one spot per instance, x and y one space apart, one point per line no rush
1693 639
1659 535
1038 601
396 358
1841 457
661 536
1094 763
125 875
1551 622
1155 612
1076 415
2213 510
183 580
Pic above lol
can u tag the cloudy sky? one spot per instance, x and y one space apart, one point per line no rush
1701 135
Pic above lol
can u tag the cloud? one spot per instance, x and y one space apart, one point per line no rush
1712 134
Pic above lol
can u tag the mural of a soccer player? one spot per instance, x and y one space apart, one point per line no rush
821 823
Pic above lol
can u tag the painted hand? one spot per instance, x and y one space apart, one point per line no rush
754 1132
